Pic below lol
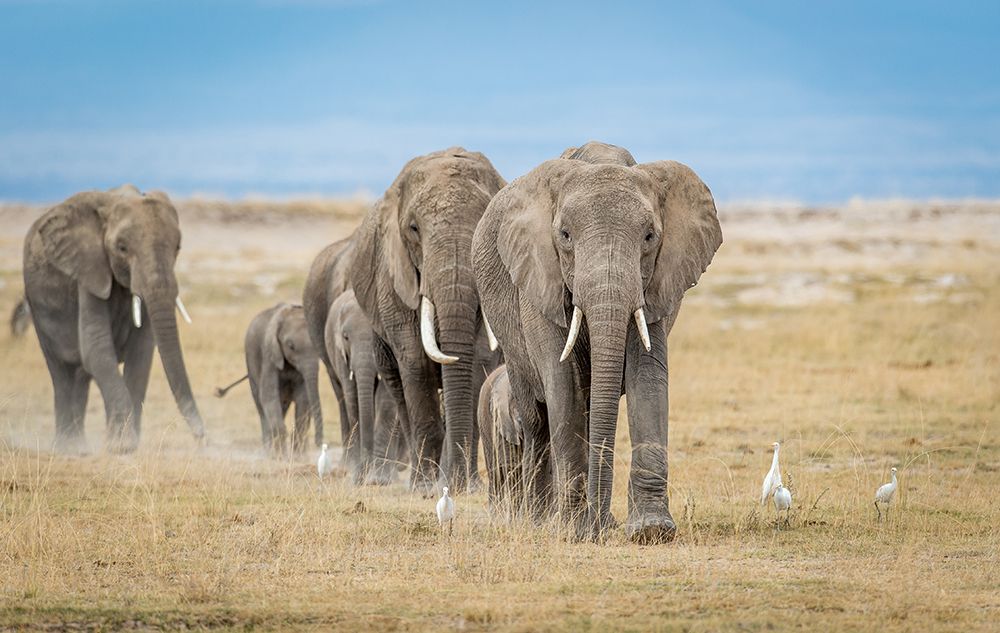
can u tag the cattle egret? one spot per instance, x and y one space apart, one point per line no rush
324 465
445 509
783 501
885 494
773 480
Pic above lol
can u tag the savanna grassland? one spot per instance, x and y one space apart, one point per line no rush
862 337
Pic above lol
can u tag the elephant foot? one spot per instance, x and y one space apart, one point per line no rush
651 528
71 444
124 442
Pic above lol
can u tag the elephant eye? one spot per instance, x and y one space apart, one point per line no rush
649 236
565 235
414 228
345 336
291 345
122 248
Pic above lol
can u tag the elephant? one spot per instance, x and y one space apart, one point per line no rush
412 274
96 268
373 439
282 367
500 429
582 264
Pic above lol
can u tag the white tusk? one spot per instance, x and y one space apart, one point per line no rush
427 334
494 343
183 310
137 310
574 331
351 375
640 323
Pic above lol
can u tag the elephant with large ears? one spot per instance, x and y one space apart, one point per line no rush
412 276
99 280
582 264
283 368
372 451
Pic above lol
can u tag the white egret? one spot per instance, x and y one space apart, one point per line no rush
773 480
783 501
324 465
445 509
885 494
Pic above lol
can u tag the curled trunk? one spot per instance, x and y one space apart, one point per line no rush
311 378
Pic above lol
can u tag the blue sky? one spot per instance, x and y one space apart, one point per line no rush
765 100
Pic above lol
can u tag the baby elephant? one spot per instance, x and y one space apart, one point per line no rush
282 366
500 428
372 437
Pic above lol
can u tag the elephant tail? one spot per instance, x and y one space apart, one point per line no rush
20 318
222 391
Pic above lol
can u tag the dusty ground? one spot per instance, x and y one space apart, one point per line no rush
863 337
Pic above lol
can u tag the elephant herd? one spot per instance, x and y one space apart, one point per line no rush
463 308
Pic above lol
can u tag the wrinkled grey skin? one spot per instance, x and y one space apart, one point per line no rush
500 430
372 452
83 261
416 243
283 367
327 279
596 231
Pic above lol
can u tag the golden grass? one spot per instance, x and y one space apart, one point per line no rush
175 537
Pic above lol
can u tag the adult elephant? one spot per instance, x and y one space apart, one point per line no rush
372 451
99 280
412 276
582 264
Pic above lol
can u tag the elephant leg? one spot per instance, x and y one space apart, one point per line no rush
302 417
138 362
649 519
81 393
100 359
63 389
386 432
265 429
423 408
536 462
566 410
389 375
352 441
345 424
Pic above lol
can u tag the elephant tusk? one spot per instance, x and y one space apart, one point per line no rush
574 331
494 343
427 334
136 310
350 376
183 310
640 324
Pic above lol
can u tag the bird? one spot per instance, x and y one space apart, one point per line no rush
324 465
773 479
885 494
445 509
783 501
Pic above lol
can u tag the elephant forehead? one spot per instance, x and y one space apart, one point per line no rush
605 199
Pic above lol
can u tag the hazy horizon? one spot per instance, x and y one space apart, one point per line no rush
305 98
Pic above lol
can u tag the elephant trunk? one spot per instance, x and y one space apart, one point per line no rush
310 375
364 378
610 297
160 305
457 305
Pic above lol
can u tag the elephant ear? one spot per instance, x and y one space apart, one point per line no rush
271 344
691 236
401 269
527 207
72 235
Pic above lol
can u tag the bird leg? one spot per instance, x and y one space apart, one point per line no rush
877 509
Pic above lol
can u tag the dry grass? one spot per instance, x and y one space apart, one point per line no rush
885 365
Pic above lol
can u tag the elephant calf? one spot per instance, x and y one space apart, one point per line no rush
283 367
373 442
500 430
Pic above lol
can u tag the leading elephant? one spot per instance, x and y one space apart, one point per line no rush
412 275
582 264
99 281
